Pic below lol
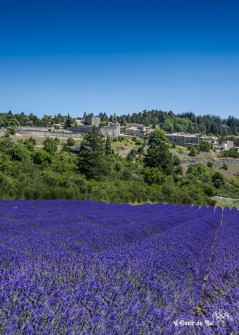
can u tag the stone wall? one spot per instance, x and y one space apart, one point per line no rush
48 133
35 128
81 128
113 131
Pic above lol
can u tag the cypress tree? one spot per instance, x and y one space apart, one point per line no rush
92 155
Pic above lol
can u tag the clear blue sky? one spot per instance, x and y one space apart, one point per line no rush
60 56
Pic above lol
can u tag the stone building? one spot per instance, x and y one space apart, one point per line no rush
228 145
112 129
135 129
87 124
185 139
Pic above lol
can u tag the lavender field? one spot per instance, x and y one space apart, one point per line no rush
79 267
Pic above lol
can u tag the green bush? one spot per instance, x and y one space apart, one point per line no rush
176 160
225 166
42 157
192 150
218 180
205 146
70 142
12 131
154 176
179 170
210 164
230 153
120 138
50 145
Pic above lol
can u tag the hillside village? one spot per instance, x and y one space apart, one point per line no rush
114 129
41 158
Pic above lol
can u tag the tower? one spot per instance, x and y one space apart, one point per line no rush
114 118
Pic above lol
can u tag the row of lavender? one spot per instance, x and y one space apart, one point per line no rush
71 267
221 295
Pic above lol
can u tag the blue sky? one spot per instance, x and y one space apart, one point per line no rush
119 56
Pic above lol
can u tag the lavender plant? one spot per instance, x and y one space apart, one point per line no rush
79 267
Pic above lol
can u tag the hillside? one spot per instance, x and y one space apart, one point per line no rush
40 167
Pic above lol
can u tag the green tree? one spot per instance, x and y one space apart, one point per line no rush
29 143
12 130
157 136
92 155
179 170
104 123
205 146
158 155
42 157
218 179
108 149
154 176
192 150
131 155
51 145
68 121
176 160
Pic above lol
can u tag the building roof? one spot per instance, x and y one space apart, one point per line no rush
181 134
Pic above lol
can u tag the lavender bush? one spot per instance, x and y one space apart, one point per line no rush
79 267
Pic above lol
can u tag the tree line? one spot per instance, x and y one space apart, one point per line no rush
167 121
21 119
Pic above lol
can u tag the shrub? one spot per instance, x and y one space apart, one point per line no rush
206 146
154 176
29 143
176 160
230 153
131 155
210 164
42 157
209 190
193 150
12 131
51 145
179 170
225 166
70 142
120 138
218 180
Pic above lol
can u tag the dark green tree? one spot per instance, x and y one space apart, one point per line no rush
154 176
68 121
108 149
158 154
218 179
193 150
42 157
92 155
131 155
205 146
30 143
50 145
